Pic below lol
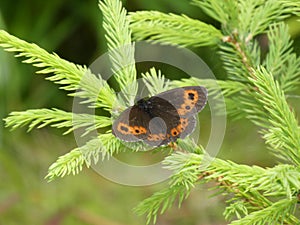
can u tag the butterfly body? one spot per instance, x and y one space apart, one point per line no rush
146 105
162 118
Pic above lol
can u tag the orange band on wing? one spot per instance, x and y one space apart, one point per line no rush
135 130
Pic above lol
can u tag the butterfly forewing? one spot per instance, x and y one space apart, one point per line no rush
187 100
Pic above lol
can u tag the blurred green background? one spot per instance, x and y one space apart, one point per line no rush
73 29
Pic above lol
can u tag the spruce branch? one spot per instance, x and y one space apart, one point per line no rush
40 118
72 162
185 174
120 48
155 81
280 213
101 147
256 16
236 56
161 201
222 11
172 29
69 76
281 130
294 4
273 120
239 59
188 172
95 91
110 145
250 184
281 53
248 17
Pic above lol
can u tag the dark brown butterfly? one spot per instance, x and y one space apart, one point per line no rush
162 118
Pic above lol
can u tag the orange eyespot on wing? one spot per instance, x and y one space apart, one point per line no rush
191 95
174 132
190 98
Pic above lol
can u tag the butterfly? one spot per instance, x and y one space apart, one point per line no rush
162 118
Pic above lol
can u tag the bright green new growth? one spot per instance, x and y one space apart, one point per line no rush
173 29
255 89
81 83
120 46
